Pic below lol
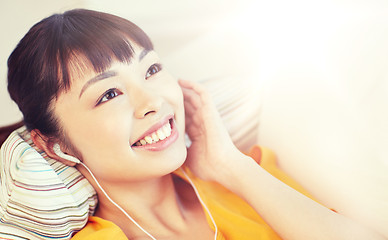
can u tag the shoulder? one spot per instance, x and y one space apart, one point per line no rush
98 228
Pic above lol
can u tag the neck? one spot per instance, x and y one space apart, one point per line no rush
154 204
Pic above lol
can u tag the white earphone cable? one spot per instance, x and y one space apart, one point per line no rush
58 151
202 203
133 220
115 204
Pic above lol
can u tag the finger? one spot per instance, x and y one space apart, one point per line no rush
198 103
196 87
192 98
189 109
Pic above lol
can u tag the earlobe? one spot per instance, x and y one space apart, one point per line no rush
57 150
47 145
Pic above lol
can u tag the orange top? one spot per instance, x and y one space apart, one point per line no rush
234 218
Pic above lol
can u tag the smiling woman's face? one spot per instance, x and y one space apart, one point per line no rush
126 123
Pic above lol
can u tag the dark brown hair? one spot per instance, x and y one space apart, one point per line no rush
40 67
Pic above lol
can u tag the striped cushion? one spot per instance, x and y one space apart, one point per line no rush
40 198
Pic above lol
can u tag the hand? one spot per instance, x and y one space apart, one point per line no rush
212 149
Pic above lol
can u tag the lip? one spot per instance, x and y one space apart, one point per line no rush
162 144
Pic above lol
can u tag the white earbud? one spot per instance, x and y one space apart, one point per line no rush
58 151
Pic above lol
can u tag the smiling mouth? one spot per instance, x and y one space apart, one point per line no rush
159 135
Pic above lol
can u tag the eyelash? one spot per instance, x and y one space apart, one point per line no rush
107 95
154 69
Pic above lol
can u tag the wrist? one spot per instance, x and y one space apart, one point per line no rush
234 171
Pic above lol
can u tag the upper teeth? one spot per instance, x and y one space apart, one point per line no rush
160 134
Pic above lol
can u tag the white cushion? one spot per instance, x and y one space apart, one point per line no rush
40 198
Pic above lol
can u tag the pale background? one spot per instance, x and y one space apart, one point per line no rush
319 71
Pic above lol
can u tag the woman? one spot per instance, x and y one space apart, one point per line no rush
90 86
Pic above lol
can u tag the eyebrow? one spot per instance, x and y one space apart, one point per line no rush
97 78
144 53
108 74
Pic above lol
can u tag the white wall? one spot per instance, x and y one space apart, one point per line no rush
325 102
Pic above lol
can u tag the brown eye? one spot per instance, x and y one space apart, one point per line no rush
155 68
108 95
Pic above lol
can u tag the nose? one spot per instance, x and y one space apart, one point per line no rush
146 101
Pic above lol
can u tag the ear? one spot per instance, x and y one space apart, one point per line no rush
46 144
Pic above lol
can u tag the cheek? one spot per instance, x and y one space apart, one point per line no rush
175 96
95 134
175 93
180 115
179 99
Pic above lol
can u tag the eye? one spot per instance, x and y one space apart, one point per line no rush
155 68
108 95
